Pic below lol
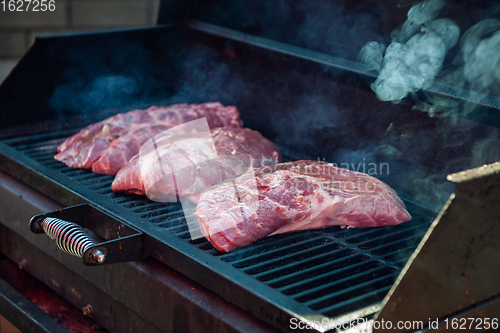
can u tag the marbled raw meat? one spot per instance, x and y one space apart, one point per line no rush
106 146
294 196
236 148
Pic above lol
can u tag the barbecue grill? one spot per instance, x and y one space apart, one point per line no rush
293 73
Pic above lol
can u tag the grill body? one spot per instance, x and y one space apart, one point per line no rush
329 273
314 102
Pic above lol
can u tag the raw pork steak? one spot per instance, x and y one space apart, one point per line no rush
195 158
108 145
294 196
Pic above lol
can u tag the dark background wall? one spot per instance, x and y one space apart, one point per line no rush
19 29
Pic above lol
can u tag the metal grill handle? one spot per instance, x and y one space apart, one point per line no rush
70 238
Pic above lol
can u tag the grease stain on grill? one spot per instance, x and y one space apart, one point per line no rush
333 270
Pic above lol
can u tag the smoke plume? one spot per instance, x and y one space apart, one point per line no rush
414 61
416 55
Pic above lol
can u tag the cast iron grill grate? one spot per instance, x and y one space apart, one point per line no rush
333 271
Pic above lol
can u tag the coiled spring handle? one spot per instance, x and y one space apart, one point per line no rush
70 238
118 241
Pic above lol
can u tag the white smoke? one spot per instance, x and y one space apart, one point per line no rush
419 14
481 58
476 71
372 55
414 58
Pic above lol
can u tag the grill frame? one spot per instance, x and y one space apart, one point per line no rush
207 266
271 310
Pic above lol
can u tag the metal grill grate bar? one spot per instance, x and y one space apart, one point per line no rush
316 297
291 247
270 276
262 247
312 277
292 259
410 242
352 303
